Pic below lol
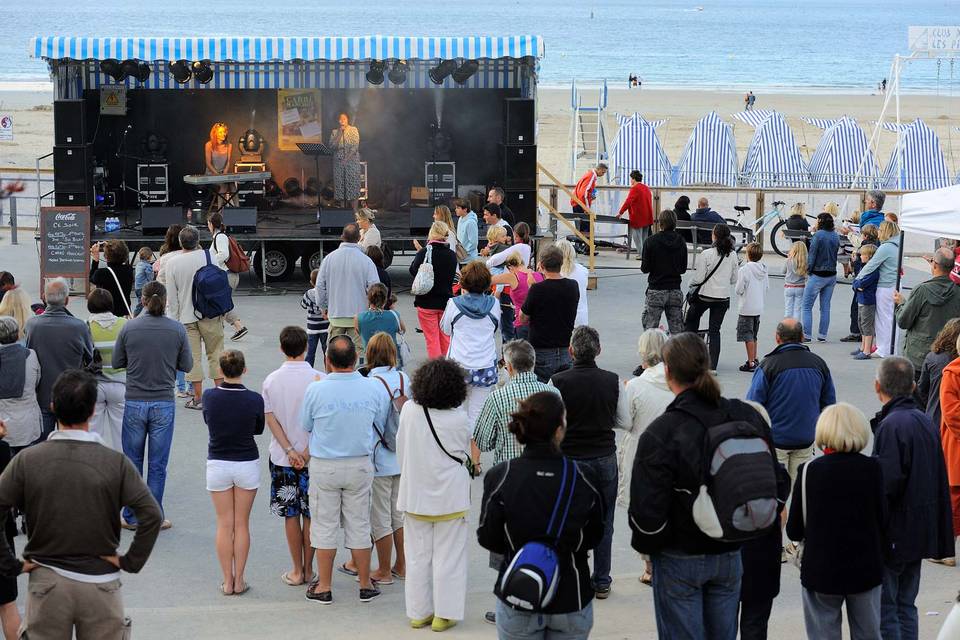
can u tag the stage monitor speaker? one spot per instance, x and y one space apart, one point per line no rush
69 122
155 220
421 219
332 221
523 203
519 121
73 199
72 168
240 220
519 164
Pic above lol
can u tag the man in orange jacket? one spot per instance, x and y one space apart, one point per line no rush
639 203
586 189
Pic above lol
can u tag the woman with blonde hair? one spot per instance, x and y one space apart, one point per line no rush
430 305
218 158
519 277
837 510
644 399
16 304
441 213
369 234
887 261
577 272
794 280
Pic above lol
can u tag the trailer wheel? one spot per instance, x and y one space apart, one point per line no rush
310 260
278 260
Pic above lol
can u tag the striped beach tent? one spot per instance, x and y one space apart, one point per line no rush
918 164
773 159
820 123
710 155
839 157
637 146
755 117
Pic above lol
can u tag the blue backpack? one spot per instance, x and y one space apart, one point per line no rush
212 296
530 581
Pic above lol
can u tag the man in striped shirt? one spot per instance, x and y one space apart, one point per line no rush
491 432
586 188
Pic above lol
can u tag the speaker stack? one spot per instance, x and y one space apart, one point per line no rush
72 157
518 160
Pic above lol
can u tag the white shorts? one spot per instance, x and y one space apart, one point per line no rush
223 475
384 516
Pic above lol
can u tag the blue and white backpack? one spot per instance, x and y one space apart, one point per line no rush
530 582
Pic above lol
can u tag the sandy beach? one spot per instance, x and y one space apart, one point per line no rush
31 108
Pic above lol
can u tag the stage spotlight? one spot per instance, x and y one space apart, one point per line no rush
111 67
129 69
467 69
143 72
271 189
398 74
313 186
292 187
180 70
442 70
202 71
375 74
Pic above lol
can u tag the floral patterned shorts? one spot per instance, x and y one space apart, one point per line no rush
288 492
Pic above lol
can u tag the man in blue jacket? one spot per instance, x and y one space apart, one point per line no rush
872 214
794 385
705 215
915 482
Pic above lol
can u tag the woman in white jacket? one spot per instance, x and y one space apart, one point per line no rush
644 399
716 270
432 441
575 271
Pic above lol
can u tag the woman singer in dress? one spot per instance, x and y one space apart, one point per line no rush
345 144
218 155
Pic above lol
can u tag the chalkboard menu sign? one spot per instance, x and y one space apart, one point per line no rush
64 242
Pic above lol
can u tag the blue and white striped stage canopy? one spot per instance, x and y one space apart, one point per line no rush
842 154
710 155
773 159
505 62
637 146
917 163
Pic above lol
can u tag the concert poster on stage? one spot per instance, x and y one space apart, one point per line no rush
298 118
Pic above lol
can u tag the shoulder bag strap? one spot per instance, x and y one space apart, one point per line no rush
397 316
803 494
426 412
428 256
120 290
712 271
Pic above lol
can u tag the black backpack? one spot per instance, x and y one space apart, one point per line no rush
212 295
738 496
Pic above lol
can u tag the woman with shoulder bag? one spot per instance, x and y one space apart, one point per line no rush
519 499
716 271
431 302
113 274
220 252
433 441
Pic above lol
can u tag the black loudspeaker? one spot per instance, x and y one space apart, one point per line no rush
240 220
421 219
155 220
332 221
73 199
73 173
69 122
518 121
519 164
523 203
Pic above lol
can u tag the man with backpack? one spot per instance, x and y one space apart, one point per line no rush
229 256
698 468
198 296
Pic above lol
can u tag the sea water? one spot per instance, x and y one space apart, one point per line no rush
737 44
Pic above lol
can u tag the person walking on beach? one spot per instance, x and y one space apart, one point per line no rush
71 489
639 203
586 189
342 284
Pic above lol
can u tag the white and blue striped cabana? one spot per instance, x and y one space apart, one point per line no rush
755 117
505 62
917 162
842 154
710 155
773 159
820 123
637 146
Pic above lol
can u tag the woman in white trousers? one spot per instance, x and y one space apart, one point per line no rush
433 440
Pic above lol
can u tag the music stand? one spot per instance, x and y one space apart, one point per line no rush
315 149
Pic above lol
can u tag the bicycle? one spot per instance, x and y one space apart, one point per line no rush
780 237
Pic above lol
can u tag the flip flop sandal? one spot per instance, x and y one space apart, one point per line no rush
223 590
246 587
193 404
647 579
378 583
344 570
287 580
396 575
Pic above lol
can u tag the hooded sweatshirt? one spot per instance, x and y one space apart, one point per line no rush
929 307
665 259
885 260
752 285
471 320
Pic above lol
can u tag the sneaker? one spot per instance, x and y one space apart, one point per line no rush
850 338
321 597
806 340
821 339
861 356
442 624
748 366
366 595
490 617
242 331
129 526
855 352
166 524
420 624
602 593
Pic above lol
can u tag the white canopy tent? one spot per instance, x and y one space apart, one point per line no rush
932 213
